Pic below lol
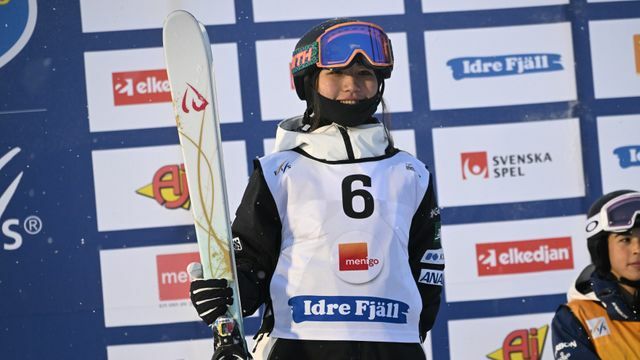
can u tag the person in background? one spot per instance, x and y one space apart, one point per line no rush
602 318
338 231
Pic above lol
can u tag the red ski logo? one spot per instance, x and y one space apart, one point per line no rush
199 103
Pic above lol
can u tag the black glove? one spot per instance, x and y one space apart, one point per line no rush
211 298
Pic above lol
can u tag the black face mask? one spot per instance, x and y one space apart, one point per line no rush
332 111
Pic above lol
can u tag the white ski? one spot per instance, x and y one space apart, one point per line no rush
190 68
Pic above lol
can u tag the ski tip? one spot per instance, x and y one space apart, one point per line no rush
195 271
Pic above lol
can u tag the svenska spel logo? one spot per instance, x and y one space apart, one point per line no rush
474 165
481 165
141 87
169 187
522 344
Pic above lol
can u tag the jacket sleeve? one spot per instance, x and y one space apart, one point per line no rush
570 339
257 232
426 258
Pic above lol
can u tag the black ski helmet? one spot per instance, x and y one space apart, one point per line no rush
304 77
598 244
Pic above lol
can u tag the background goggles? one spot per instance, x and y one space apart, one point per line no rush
617 215
341 43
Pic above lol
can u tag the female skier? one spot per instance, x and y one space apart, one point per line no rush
602 318
338 232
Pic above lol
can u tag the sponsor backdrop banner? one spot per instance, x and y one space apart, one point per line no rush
526 111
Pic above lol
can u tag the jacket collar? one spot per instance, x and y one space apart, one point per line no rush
333 142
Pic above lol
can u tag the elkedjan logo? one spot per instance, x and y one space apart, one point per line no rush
517 257
628 156
503 65
522 344
141 87
169 187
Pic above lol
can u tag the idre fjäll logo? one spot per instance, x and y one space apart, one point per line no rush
173 279
19 19
522 344
169 187
516 257
490 66
628 156
141 87
348 308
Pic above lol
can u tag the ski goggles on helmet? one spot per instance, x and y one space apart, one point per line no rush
341 43
617 215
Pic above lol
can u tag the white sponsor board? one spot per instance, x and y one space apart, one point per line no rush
125 193
432 6
615 57
403 139
505 163
619 144
513 258
282 10
128 89
116 15
278 98
172 350
136 271
499 66
506 337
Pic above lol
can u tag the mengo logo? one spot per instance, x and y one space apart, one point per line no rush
169 187
527 256
474 165
173 279
522 344
355 256
141 87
